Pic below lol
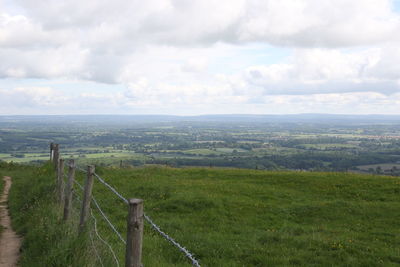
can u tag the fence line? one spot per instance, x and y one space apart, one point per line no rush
92 241
157 228
105 242
81 169
129 261
104 215
95 228
108 220
78 184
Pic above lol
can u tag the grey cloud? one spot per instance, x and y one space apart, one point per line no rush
386 87
99 40
309 23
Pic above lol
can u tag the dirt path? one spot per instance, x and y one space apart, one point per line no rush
9 241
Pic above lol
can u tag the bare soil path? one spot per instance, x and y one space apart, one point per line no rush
9 241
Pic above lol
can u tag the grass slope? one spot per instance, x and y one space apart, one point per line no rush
35 215
226 217
257 218
1 192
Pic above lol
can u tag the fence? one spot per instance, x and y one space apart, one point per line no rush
136 216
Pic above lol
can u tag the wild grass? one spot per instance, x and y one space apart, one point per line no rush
257 218
1 182
1 192
225 217
47 241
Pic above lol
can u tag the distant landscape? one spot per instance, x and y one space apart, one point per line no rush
172 133
309 142
235 190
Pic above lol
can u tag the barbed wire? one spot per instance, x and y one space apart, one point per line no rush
78 184
108 221
104 215
91 236
106 184
157 228
170 239
95 249
111 188
80 169
97 233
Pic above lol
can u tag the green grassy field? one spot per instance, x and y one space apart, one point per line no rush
225 217
327 146
257 218
47 241
27 157
105 157
202 151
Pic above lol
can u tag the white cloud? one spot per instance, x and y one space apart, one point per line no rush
311 71
27 101
195 65
288 22
64 61
102 35
178 53
31 97
319 23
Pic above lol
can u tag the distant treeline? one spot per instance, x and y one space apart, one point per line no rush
303 161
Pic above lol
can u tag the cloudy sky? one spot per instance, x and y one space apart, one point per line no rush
190 57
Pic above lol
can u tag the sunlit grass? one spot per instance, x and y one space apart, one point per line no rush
225 217
257 218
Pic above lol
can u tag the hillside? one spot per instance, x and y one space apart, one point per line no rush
226 217
1 191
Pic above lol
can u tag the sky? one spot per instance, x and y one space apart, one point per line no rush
192 57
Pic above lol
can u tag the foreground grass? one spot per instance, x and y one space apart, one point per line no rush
35 215
1 192
257 218
226 217
1 183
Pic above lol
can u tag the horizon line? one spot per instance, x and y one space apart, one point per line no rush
199 115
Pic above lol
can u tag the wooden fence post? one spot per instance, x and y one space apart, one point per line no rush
69 189
60 180
133 254
51 151
87 196
56 155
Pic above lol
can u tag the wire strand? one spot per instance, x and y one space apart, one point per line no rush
94 248
81 169
104 215
187 253
108 220
111 188
170 239
105 242
98 235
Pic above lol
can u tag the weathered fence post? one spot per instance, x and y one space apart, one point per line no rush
87 196
60 180
133 254
69 189
51 151
56 155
